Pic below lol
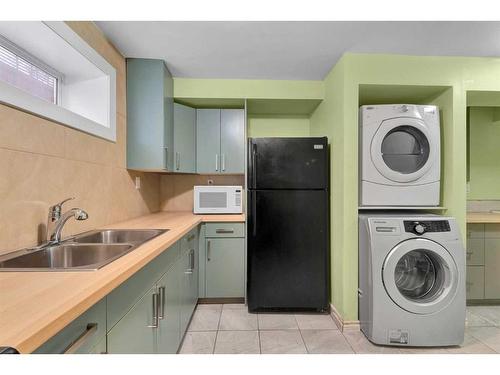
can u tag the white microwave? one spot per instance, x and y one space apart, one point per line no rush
212 199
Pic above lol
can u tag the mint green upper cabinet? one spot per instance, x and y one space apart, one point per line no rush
207 140
134 332
169 333
220 141
232 141
184 139
150 116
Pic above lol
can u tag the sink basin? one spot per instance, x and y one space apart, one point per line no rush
87 251
65 257
131 236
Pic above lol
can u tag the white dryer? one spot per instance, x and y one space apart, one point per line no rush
411 280
399 155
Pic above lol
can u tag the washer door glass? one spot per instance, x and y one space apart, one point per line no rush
420 276
402 149
405 149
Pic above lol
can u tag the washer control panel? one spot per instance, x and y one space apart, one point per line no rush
425 226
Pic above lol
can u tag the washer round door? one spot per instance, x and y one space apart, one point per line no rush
420 276
402 149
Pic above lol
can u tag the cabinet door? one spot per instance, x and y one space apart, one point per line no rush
225 267
475 252
90 328
232 141
184 139
168 118
134 333
492 268
475 282
169 334
189 286
208 140
149 115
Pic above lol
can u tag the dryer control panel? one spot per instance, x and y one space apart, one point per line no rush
425 226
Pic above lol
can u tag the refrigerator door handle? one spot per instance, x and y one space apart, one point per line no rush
254 166
254 213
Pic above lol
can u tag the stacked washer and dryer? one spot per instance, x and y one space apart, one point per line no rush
411 265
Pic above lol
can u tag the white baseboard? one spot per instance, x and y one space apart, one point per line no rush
344 325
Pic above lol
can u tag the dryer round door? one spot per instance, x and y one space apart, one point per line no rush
420 276
402 149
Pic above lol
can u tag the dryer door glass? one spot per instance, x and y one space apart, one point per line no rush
405 149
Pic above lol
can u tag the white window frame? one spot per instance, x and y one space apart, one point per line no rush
18 98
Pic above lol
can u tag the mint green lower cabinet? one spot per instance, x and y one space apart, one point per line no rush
90 326
225 267
133 334
100 348
169 333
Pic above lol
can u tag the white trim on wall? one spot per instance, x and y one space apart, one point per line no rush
17 98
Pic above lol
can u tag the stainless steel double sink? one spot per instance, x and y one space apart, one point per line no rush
84 252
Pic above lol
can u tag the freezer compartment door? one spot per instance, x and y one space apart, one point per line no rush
288 250
288 163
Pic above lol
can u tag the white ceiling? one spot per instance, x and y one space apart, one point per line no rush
291 50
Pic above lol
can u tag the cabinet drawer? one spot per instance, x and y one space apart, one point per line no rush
84 333
475 252
475 230
225 230
475 282
492 230
121 300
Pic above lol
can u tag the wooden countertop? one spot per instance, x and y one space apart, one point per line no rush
34 306
483 217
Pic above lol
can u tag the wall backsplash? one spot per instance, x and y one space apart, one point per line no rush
177 190
42 162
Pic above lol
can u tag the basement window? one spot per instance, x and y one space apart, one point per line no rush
47 69
24 71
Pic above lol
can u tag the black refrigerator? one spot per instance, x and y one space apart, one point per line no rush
288 224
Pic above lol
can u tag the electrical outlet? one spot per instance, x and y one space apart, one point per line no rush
137 182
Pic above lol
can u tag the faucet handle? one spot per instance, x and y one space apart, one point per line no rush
55 210
64 201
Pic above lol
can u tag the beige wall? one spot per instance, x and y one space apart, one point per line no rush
42 162
177 190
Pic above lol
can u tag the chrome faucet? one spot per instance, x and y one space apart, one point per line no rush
56 220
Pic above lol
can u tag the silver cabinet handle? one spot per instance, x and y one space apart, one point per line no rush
190 270
216 162
161 302
224 231
208 250
154 323
223 157
80 340
177 160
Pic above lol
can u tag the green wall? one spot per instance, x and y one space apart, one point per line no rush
443 81
484 151
278 126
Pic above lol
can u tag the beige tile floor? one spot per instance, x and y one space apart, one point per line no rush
230 329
